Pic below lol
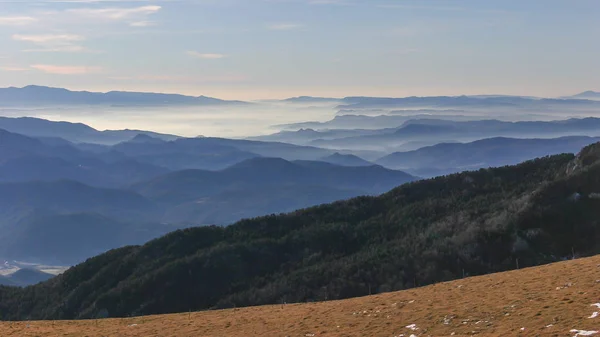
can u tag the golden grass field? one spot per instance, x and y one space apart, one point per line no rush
552 300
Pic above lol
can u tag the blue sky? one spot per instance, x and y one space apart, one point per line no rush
253 49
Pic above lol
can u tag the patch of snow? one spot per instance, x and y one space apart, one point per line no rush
522 329
583 332
549 325
413 327
594 196
594 315
597 305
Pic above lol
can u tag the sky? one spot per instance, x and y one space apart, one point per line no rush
261 49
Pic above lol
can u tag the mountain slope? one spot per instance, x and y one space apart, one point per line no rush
420 233
550 300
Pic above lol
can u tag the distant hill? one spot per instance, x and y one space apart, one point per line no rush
71 197
6 281
420 233
593 95
40 95
67 239
345 160
310 99
212 153
25 159
448 158
27 276
262 186
306 136
73 132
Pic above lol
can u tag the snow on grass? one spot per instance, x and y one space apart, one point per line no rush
413 327
583 333
594 315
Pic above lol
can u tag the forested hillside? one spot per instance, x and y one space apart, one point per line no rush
419 233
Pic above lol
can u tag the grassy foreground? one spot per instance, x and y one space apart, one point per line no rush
551 300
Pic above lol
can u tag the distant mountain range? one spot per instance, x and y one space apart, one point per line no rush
63 222
61 202
34 95
442 102
425 132
362 122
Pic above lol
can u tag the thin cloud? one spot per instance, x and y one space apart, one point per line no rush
329 2
52 42
142 24
115 13
65 70
284 26
226 78
13 69
207 56
41 39
16 20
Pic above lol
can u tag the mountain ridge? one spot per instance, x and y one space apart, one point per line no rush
35 94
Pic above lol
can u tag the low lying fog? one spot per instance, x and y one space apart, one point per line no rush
191 121
262 118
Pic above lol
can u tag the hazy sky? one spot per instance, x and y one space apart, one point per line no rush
251 49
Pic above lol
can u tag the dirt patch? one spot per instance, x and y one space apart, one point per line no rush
562 299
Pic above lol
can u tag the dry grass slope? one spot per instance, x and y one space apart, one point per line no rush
552 300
